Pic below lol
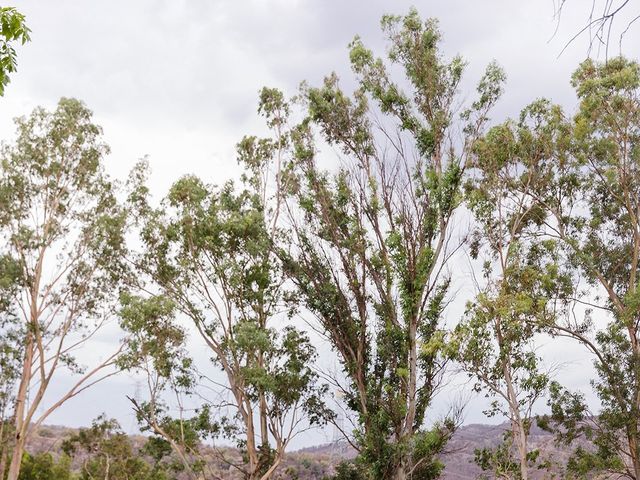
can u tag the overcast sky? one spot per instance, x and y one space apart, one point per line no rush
178 81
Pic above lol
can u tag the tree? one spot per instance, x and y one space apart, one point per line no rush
587 184
598 221
496 342
10 355
157 347
107 452
12 29
64 232
44 466
373 242
210 253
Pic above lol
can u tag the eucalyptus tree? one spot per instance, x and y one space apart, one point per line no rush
522 291
373 242
592 201
105 451
585 179
210 252
156 347
45 466
13 29
63 233
10 354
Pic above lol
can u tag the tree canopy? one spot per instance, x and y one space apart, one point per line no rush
13 30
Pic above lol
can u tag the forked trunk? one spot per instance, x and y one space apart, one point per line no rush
634 458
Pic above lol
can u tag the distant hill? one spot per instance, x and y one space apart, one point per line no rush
459 459
314 462
460 450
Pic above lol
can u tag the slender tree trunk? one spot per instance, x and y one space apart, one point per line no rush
518 429
517 425
264 431
522 448
3 446
107 468
252 453
4 452
269 473
16 458
634 459
635 407
401 471
413 375
409 420
21 400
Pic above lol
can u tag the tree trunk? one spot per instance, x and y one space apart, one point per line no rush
3 446
633 454
3 461
269 473
252 448
264 430
21 400
413 376
518 429
16 458
107 468
522 449
400 472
